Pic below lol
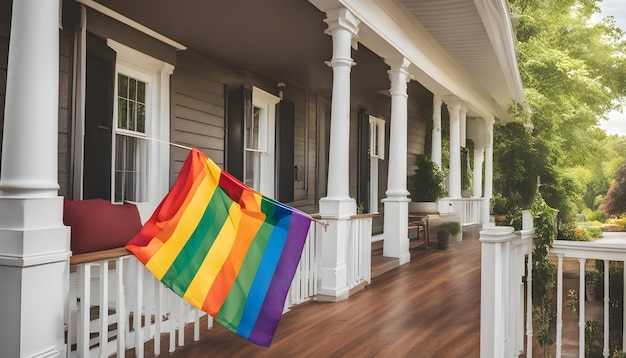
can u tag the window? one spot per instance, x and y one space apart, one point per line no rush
377 137
140 168
130 151
259 137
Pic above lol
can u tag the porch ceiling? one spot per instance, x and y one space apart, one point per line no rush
478 35
284 40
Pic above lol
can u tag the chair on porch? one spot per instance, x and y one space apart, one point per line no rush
421 225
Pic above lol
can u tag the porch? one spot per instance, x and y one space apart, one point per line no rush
429 307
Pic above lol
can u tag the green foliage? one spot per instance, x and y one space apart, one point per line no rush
544 272
574 72
426 183
592 337
452 227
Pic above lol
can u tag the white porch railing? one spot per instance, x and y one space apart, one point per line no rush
116 304
583 251
359 250
304 284
506 259
469 209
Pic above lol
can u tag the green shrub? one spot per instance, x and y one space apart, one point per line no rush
566 231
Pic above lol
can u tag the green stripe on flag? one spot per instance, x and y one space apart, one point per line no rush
232 309
190 258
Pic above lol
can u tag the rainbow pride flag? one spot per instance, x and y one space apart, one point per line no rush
224 248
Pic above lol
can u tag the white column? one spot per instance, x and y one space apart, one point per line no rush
397 203
488 193
337 207
454 181
436 137
493 285
478 171
489 160
463 126
34 244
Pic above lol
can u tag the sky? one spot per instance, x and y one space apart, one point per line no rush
616 8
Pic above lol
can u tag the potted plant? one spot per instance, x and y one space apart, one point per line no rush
426 184
446 230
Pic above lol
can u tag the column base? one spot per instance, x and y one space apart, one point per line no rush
396 242
34 267
333 285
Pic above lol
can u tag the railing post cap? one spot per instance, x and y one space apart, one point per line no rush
496 233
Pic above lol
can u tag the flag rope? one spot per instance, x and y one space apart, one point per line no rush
320 222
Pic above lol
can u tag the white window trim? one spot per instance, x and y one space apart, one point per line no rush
157 74
267 102
377 128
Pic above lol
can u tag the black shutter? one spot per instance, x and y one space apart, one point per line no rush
363 160
285 111
238 106
99 91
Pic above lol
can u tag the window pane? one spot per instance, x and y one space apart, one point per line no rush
131 104
252 129
141 118
132 89
122 89
132 115
252 170
129 154
141 92
122 113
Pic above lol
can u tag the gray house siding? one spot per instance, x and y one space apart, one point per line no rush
5 29
197 109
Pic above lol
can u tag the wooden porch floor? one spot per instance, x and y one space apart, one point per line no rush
427 308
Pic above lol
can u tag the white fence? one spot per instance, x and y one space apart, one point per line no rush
469 209
359 249
584 251
506 289
116 304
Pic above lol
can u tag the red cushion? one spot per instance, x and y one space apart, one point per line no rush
98 224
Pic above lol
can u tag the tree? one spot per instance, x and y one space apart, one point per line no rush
615 202
574 73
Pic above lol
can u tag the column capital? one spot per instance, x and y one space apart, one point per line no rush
399 64
452 101
437 100
342 18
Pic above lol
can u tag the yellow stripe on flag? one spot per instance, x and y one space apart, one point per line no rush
205 277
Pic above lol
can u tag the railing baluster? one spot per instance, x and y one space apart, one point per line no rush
84 277
181 325
581 319
138 311
171 309
529 300
559 306
121 308
606 308
196 326
158 323
103 335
